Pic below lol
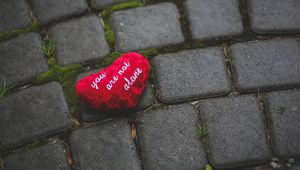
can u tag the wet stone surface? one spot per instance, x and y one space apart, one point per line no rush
146 27
21 59
107 146
191 74
33 113
178 146
275 16
236 131
79 41
269 64
47 11
214 18
47 157
283 108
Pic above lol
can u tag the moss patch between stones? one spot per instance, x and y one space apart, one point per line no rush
15 32
65 75
110 9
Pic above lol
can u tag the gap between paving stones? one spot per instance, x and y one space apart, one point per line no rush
189 44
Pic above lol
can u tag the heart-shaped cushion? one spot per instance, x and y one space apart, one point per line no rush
116 87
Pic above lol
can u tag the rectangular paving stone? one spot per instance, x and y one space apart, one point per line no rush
168 139
100 4
33 113
47 157
214 18
108 146
21 59
268 64
47 11
191 74
14 14
283 108
236 131
146 27
274 15
89 115
79 40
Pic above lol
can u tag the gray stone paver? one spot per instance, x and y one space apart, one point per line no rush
191 74
236 131
47 157
283 108
14 14
168 139
108 146
268 64
214 18
101 4
47 11
79 41
88 114
275 16
32 113
21 59
146 27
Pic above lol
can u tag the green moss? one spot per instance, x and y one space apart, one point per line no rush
124 5
105 20
5 89
109 59
109 35
15 32
149 53
208 167
48 48
201 130
64 75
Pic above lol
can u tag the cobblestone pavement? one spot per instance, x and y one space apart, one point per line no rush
224 89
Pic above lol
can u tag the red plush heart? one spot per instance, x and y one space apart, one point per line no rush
117 86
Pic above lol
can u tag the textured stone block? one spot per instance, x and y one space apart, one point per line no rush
260 65
14 14
21 59
108 146
146 27
168 139
79 41
47 11
214 18
191 74
32 113
47 157
236 131
283 109
274 15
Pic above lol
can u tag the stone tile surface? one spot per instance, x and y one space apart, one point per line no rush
266 64
21 59
47 157
213 18
101 4
47 11
108 146
236 131
79 41
274 16
14 14
168 139
283 109
146 27
191 74
32 113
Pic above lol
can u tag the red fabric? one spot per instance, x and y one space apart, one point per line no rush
127 76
